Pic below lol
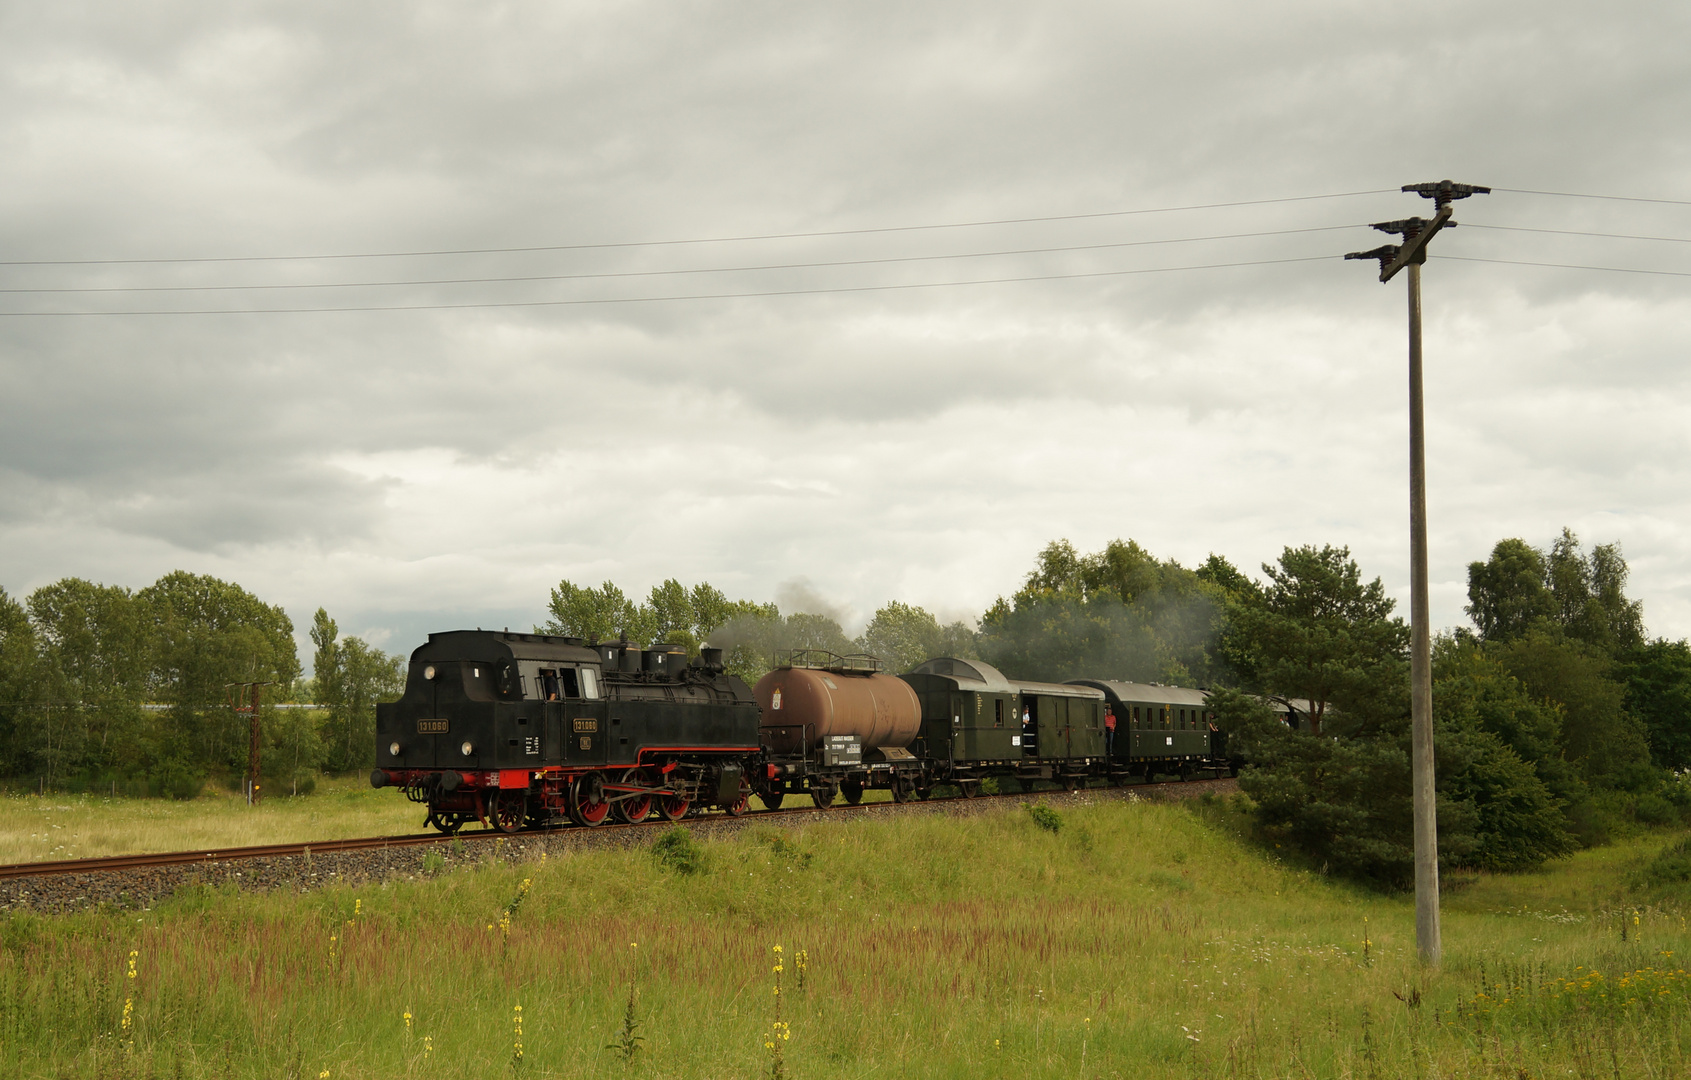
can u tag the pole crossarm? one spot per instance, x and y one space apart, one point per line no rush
1442 192
1416 233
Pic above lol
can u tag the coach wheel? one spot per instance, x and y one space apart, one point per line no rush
588 805
823 795
673 807
634 808
900 788
969 788
510 811
852 790
924 788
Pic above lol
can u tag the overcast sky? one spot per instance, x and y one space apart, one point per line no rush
874 432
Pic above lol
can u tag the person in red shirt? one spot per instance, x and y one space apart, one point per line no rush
1109 732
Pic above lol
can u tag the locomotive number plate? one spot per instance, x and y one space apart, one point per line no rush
586 725
432 727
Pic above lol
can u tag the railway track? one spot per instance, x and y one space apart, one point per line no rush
209 856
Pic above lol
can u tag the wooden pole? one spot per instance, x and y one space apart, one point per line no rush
1420 655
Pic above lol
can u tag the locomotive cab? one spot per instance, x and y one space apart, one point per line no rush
477 700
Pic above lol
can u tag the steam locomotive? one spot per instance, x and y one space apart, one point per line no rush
520 730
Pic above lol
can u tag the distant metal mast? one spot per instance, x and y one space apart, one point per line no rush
243 700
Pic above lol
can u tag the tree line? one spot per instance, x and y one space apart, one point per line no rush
1558 722
102 687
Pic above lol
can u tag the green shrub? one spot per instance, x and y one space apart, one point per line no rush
174 780
1044 816
1671 866
675 849
1652 809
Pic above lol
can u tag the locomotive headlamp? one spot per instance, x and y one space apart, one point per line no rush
393 748
467 749
428 672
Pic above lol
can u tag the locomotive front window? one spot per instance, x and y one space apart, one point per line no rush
589 683
548 684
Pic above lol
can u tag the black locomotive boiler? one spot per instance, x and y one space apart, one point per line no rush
517 730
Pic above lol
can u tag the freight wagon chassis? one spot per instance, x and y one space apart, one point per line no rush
825 783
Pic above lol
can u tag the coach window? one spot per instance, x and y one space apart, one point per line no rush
998 713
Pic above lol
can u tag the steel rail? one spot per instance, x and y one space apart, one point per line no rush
204 856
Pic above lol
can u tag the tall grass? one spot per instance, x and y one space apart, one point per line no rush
35 828
1140 940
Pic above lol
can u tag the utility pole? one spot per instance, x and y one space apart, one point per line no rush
250 708
1417 233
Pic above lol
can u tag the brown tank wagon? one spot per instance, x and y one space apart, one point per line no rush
836 725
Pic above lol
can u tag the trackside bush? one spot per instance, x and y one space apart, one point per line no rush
675 849
1672 866
1045 817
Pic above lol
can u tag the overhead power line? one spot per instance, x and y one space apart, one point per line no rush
669 273
693 240
1608 198
1578 232
694 296
1569 266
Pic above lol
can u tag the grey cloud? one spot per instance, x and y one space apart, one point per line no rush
920 444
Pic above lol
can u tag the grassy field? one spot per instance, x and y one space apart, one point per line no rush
34 828
1137 940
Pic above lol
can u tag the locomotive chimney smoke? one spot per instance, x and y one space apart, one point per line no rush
797 596
1141 641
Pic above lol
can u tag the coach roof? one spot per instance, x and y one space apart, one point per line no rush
967 674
